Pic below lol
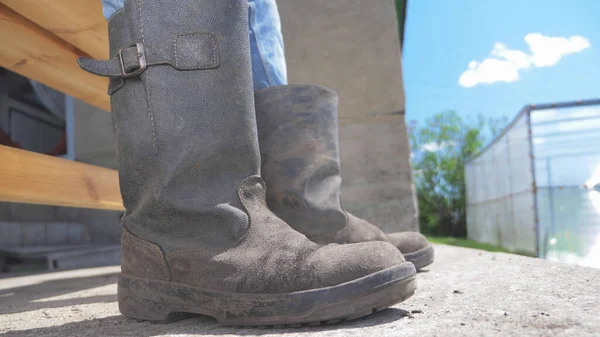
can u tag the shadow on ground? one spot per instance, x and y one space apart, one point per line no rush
31 297
198 325
86 305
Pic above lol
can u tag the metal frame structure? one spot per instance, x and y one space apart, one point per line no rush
526 112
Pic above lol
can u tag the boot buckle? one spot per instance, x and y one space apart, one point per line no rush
141 57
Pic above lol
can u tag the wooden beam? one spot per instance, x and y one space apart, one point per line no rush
33 52
34 178
79 22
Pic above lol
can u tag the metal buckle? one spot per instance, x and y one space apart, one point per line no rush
141 56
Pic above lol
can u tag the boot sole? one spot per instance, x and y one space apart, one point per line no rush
162 301
422 257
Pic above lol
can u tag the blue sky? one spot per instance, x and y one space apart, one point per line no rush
443 37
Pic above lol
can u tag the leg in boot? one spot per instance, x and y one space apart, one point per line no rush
298 135
198 236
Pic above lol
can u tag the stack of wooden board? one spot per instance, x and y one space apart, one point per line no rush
41 39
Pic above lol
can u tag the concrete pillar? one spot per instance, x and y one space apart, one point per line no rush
352 46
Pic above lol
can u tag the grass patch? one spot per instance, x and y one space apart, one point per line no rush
461 242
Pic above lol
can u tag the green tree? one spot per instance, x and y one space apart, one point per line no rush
440 149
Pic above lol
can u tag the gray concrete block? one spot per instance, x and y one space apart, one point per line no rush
59 257
351 46
106 232
67 224
5 211
92 256
104 227
377 178
58 233
18 234
77 234
94 140
34 234
30 212
374 149
10 234
390 206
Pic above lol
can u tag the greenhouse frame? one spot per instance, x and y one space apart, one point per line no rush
535 189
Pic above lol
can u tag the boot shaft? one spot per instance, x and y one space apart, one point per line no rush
183 115
298 136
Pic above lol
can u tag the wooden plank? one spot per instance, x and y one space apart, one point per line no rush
78 22
33 52
34 178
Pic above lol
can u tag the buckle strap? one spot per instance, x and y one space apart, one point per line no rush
194 51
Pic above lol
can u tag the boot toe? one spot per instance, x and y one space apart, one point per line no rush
337 264
359 230
408 242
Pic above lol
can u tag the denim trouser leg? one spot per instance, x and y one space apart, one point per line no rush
266 44
266 41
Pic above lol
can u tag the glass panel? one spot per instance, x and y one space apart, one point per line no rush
560 114
566 157
500 196
566 132
570 225
566 146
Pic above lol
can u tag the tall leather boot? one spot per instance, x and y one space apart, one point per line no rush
298 136
198 236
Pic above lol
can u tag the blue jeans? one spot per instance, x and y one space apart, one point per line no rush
266 41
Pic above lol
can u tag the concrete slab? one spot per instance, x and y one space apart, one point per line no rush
465 293
377 182
353 47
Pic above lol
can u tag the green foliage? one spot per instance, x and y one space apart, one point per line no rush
440 149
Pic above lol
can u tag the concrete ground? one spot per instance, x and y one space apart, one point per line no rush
464 293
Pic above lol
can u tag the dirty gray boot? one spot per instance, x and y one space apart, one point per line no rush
198 236
414 246
298 136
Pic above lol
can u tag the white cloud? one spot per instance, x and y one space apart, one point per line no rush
435 146
505 64
489 71
432 147
546 51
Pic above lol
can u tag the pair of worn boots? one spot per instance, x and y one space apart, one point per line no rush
203 233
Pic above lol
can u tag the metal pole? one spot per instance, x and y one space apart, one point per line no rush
533 183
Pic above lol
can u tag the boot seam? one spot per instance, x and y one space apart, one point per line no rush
153 247
146 87
291 86
192 251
